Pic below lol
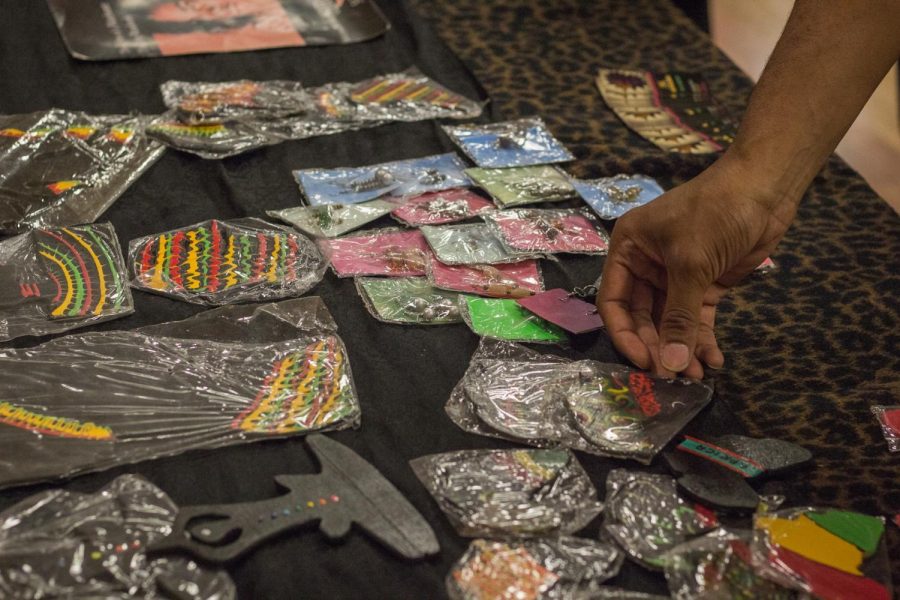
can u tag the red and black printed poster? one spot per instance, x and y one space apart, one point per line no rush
116 29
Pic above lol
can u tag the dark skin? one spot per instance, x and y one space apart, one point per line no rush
672 260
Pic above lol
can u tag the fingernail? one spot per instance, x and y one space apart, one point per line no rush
675 357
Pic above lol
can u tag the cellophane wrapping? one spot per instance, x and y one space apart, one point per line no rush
408 300
516 143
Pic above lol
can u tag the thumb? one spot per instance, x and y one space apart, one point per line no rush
680 321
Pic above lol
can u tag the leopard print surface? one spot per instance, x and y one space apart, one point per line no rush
809 347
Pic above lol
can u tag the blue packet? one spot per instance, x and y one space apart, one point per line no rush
612 197
517 143
351 185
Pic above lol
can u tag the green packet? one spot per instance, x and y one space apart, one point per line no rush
408 300
523 185
505 319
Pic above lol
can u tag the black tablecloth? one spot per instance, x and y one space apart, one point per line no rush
404 374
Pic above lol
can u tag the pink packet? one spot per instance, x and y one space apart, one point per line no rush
387 252
507 280
435 208
549 230
560 308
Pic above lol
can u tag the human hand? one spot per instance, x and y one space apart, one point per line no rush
672 260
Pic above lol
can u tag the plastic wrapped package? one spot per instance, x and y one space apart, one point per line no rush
470 244
612 197
646 517
540 569
517 143
549 230
333 220
614 593
204 102
62 168
409 96
889 419
830 553
628 413
510 280
438 208
223 262
718 566
62 544
54 280
388 252
523 185
499 493
232 375
504 319
408 300
350 185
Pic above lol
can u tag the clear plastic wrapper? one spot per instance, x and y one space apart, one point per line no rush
830 553
718 566
517 143
543 230
625 412
470 244
549 569
438 208
504 319
333 220
409 96
62 544
646 517
232 375
388 252
499 493
614 593
889 419
60 168
350 185
203 102
224 262
408 300
612 197
54 280
523 185
562 308
510 280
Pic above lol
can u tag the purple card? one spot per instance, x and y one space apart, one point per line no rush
558 307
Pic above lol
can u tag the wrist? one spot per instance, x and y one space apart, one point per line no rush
775 183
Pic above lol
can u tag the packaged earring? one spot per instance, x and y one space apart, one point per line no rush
388 252
333 220
469 244
509 280
612 197
504 319
517 143
549 231
523 185
438 208
408 300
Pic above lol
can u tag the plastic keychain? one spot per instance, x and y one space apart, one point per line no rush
561 308
495 493
549 230
438 208
333 220
408 300
517 143
612 197
388 252
523 185
504 319
470 244
510 280
351 185
889 418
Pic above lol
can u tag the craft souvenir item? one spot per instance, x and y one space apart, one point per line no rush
224 262
628 413
63 544
401 178
409 96
227 376
54 280
675 111
612 197
438 208
471 244
204 102
96 30
61 168
333 220
564 310
548 569
645 515
831 554
409 300
511 280
523 185
504 319
889 419
509 144
499 493
347 492
718 565
549 230
388 252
